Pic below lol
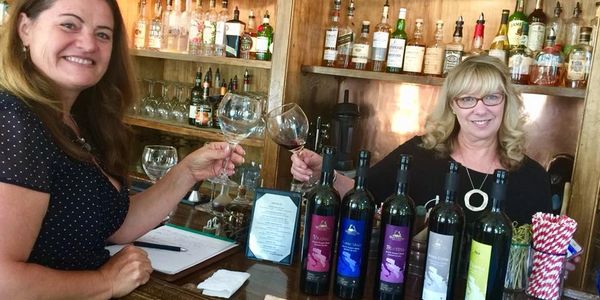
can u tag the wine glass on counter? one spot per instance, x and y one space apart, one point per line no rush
287 125
157 160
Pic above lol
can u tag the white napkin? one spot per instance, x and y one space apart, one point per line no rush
223 283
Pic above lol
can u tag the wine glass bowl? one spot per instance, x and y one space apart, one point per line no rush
287 125
157 160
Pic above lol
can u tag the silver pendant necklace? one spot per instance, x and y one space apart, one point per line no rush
473 191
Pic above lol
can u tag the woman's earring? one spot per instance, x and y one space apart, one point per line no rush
25 49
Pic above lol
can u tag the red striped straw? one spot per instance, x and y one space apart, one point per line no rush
550 238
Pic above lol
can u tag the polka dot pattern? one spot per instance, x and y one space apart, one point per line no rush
84 209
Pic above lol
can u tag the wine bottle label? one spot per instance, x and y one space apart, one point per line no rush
437 266
396 53
499 53
517 34
479 268
519 64
451 59
360 53
413 59
535 41
394 253
350 248
434 57
577 68
320 243
331 36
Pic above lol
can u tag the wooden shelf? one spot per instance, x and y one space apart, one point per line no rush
187 130
435 81
202 59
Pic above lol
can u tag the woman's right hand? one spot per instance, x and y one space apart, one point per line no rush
126 270
305 164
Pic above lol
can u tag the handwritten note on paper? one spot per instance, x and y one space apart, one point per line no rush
273 227
199 248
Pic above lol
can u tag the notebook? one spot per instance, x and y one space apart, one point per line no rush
200 247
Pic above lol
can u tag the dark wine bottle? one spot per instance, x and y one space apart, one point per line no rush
445 232
195 98
356 222
320 227
490 246
397 218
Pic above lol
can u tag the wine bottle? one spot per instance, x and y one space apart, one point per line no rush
356 222
490 246
499 46
445 232
397 218
320 227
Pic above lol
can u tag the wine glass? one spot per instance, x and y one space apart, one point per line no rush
157 160
238 114
287 125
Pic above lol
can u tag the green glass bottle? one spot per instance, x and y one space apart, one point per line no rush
518 26
397 44
264 39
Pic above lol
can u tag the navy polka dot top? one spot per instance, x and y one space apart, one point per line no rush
84 209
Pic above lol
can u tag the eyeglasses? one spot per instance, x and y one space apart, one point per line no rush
488 100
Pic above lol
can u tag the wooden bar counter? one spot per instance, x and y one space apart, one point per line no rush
265 278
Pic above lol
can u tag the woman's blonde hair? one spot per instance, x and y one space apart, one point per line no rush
480 75
98 110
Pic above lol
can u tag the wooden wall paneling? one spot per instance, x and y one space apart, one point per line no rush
583 205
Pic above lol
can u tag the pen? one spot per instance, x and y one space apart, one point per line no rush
159 246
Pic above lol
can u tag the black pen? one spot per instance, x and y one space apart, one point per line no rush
159 246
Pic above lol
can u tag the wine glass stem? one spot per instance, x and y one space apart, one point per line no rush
226 161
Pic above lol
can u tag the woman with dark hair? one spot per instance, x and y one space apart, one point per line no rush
477 121
65 86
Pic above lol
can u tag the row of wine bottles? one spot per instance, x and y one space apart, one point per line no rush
348 224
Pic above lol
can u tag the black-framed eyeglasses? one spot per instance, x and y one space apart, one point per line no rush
488 100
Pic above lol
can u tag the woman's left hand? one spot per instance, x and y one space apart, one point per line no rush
208 161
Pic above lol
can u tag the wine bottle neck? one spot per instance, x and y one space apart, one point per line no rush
498 196
327 177
402 188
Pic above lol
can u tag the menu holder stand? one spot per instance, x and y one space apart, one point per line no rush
274 226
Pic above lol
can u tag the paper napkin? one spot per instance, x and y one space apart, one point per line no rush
223 283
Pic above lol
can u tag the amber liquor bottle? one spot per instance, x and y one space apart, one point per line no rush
331 36
381 39
415 51
580 61
537 27
434 54
346 37
360 51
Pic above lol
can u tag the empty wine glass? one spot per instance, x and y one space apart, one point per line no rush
287 125
238 115
149 103
157 160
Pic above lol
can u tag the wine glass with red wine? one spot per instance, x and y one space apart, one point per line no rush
287 125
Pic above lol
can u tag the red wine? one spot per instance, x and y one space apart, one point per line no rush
356 222
291 145
445 232
397 218
320 227
492 235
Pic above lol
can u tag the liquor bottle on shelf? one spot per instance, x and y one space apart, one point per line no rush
547 68
557 24
445 232
166 28
234 83
184 27
155 35
580 61
218 79
499 47
346 39
397 44
264 39
519 61
397 218
415 51
517 26
381 39
208 77
434 54
140 32
455 49
248 40
204 116
220 30
173 31
320 228
356 223
572 29
246 87
477 43
210 30
360 50
331 36
195 98
594 25
490 246
234 31
196 29
537 28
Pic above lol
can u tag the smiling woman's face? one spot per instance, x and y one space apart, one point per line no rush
70 42
480 122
